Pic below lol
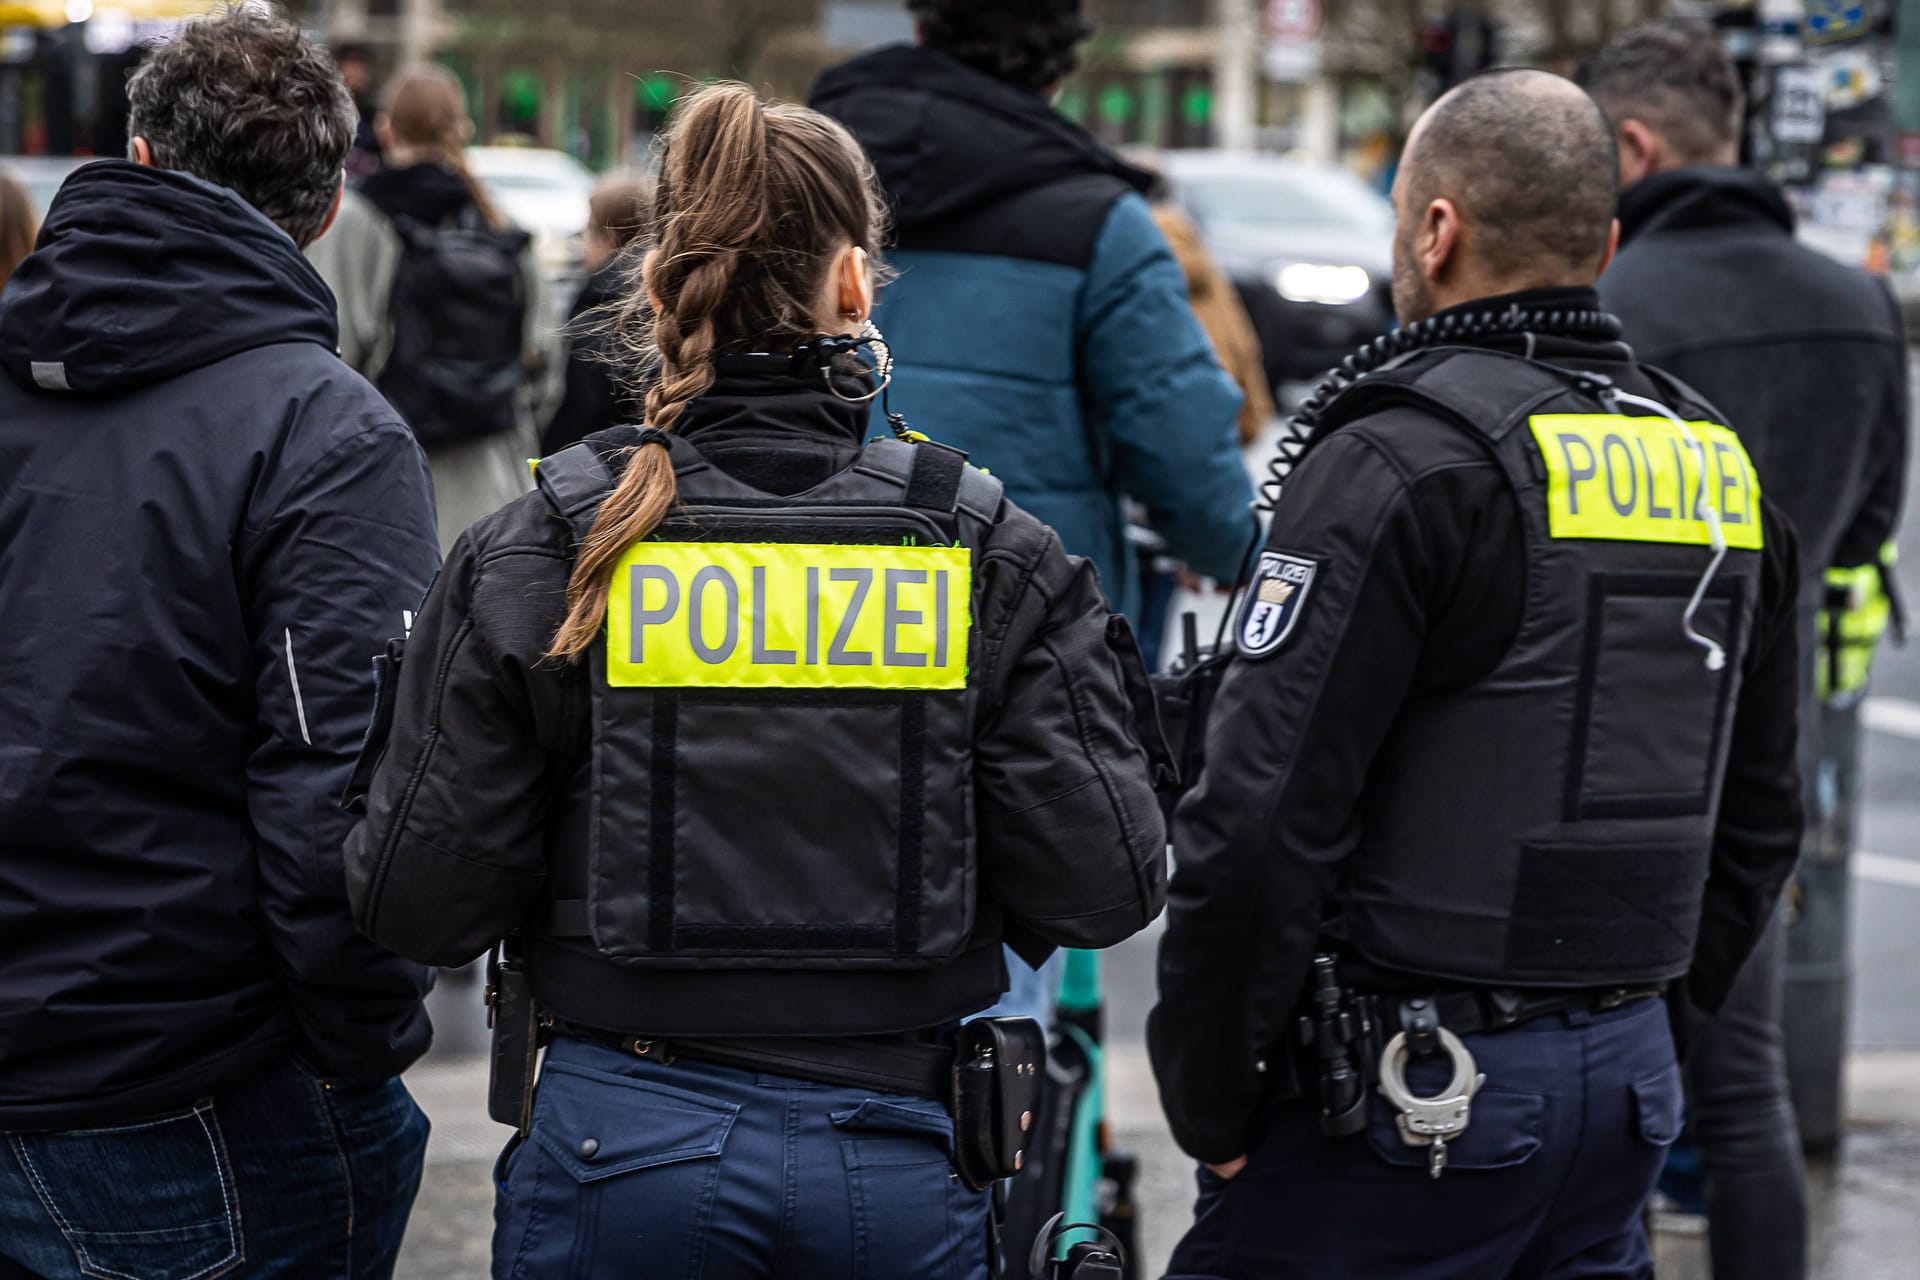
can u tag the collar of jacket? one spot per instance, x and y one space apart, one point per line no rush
945 138
777 394
142 274
1702 196
1544 346
430 194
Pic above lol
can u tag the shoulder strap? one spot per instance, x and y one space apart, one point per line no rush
1490 391
574 481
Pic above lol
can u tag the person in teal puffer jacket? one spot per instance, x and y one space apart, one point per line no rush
1040 320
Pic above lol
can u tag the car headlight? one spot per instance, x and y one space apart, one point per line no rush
1322 282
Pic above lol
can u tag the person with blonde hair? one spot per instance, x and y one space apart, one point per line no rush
17 225
441 304
755 740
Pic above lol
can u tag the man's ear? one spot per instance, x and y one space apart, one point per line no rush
1613 246
140 151
1641 150
1436 243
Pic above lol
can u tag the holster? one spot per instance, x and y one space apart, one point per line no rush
998 1068
515 1023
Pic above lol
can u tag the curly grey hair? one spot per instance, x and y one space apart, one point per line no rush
243 100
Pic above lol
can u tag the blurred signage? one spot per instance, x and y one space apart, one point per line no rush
1799 104
1294 20
1826 21
1291 51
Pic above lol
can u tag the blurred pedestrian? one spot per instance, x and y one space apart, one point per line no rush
1504 756
598 393
753 885
441 303
1040 321
1807 360
18 226
211 528
355 60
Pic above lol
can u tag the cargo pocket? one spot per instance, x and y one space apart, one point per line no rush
1659 1104
153 1199
912 1216
1505 1130
638 1167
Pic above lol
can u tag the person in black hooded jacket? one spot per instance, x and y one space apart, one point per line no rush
208 528
1807 360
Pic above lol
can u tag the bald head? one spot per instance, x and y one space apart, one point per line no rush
1523 162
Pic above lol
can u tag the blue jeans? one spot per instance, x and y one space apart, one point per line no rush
286 1176
687 1171
1547 1182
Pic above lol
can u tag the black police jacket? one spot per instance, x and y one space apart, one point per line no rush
208 526
1413 604
484 797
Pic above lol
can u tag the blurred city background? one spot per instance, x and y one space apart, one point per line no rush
1278 125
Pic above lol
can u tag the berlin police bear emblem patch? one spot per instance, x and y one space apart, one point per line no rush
1273 603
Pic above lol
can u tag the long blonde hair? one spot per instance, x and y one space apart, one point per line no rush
427 111
753 202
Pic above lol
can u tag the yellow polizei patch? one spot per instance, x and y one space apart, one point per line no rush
1641 479
789 615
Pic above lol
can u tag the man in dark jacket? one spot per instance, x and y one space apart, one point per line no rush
1040 320
1806 359
210 527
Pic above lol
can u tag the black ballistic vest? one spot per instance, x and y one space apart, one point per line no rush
781 772
1552 825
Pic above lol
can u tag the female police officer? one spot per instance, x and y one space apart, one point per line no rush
761 742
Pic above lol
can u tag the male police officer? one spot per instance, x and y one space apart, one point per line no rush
1509 739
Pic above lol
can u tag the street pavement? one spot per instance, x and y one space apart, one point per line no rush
1866 1202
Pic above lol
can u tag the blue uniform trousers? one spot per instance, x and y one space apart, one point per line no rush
634 1170
1566 1139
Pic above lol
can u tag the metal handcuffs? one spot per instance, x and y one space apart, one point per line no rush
1429 1122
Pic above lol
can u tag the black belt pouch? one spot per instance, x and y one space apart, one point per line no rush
998 1067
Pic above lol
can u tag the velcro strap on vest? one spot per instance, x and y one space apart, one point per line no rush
934 482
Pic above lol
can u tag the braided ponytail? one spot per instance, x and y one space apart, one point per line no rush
753 203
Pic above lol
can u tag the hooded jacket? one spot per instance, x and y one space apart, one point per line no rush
208 527
1039 320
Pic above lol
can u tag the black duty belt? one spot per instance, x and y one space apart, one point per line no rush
887 1064
1474 1010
